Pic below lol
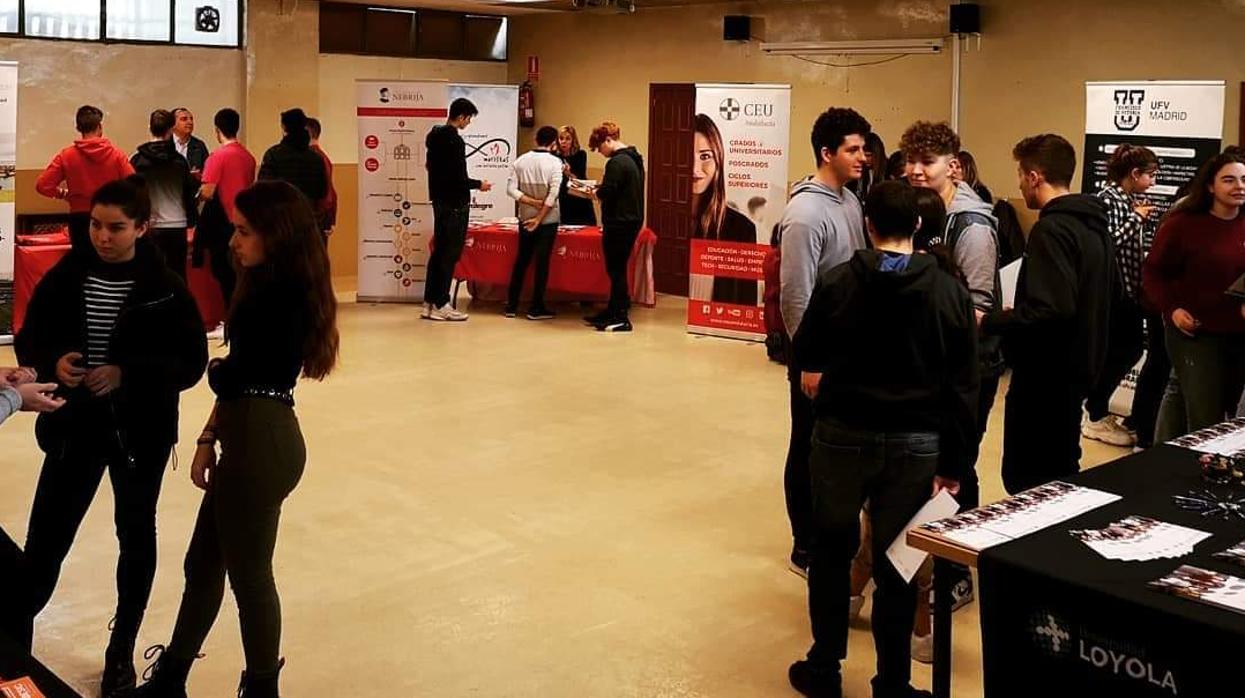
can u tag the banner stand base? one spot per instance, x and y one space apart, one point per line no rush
725 334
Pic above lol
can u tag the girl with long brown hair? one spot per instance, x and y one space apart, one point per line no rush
283 323
715 219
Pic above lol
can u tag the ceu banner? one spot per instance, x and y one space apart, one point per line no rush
1181 121
395 214
739 189
8 193
491 146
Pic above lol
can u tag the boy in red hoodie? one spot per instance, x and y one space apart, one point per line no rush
78 170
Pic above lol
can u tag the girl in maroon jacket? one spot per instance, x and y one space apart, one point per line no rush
1199 252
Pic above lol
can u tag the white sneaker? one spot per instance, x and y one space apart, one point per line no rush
218 333
857 605
1109 431
923 648
446 314
426 313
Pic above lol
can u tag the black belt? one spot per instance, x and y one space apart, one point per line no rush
285 397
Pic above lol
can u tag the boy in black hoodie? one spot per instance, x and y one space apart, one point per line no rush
896 422
449 188
621 194
292 160
172 189
1056 336
122 336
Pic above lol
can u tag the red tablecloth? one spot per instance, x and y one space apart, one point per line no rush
30 263
576 272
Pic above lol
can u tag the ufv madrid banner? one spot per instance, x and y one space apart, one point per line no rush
739 189
8 193
1181 121
395 213
491 146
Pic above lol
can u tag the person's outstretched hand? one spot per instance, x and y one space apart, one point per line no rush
37 397
13 377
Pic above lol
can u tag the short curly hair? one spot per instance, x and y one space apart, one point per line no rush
834 126
929 138
602 133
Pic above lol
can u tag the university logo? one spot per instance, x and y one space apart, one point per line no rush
1050 635
1128 109
729 109
384 95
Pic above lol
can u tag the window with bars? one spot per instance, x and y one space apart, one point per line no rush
180 22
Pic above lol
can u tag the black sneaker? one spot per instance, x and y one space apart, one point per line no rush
597 319
540 314
813 682
902 692
510 311
615 325
798 562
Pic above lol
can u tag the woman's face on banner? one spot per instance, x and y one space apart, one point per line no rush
705 168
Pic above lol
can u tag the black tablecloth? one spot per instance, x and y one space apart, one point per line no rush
1060 620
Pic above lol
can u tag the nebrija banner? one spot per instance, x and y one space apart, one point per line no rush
491 146
1181 121
739 189
395 214
8 193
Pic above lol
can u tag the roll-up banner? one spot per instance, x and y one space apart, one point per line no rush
1180 120
739 189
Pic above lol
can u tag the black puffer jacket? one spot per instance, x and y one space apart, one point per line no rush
292 160
158 343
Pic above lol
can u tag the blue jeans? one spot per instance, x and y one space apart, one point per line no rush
894 472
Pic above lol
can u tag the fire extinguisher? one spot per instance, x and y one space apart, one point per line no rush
527 105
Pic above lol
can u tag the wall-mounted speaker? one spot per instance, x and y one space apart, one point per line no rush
736 28
966 18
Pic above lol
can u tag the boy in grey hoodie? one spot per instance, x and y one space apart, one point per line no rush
972 237
822 227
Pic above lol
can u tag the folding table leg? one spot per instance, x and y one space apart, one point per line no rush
943 577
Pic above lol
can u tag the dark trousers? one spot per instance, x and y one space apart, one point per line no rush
80 232
1151 383
222 269
13 571
538 244
970 483
617 242
795 474
449 226
1210 369
67 485
262 459
894 472
1042 430
1124 344
171 244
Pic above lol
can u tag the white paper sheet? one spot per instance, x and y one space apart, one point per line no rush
1009 277
906 559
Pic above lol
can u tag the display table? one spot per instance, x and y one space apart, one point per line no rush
32 261
576 272
1059 619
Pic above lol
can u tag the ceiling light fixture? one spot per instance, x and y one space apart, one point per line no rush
889 47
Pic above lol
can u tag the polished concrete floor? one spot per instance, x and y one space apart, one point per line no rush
506 508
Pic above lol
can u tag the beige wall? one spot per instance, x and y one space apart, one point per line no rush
1028 76
600 65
